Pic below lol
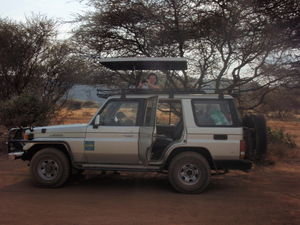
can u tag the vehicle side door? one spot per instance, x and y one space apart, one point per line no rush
213 124
115 139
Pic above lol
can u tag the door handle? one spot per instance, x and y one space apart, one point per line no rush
220 137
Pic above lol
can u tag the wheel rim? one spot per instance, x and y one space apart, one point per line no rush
189 174
48 169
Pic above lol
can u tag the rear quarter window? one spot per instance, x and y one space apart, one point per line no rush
214 113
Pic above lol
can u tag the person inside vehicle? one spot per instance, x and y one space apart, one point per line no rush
150 83
218 116
122 120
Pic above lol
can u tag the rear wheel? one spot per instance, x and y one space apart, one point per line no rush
50 168
189 172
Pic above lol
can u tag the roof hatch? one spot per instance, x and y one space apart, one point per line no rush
145 63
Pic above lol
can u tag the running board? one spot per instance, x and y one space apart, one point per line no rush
135 168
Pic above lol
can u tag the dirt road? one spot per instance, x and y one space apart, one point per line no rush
267 195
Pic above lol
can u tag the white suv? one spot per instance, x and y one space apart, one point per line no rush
186 135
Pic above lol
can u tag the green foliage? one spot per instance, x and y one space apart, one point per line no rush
36 70
25 110
278 136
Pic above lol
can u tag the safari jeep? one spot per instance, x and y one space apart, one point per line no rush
189 136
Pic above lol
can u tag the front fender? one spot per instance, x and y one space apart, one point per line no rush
28 146
31 147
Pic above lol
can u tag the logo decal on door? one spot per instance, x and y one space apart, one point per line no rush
89 146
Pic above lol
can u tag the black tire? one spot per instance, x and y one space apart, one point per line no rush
256 137
185 181
250 145
260 137
50 168
249 136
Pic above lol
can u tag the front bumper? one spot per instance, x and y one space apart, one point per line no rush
15 155
16 142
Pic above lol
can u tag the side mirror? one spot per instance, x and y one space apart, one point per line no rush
96 121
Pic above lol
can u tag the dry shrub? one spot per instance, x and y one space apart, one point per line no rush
73 104
87 114
279 136
90 104
61 116
282 115
280 151
282 145
67 116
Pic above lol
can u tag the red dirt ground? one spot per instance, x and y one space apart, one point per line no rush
266 195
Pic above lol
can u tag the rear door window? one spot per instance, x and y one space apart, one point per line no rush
168 113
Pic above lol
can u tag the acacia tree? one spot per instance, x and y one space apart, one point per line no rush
35 71
230 44
277 105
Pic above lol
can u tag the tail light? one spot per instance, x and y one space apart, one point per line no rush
242 149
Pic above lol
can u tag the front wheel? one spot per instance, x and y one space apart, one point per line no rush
189 172
50 168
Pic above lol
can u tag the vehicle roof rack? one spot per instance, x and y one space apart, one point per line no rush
105 93
145 63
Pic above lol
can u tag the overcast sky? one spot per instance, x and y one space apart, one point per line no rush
64 10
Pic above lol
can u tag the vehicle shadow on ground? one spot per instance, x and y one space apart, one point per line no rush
140 181
123 182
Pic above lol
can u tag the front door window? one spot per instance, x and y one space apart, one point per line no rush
120 113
